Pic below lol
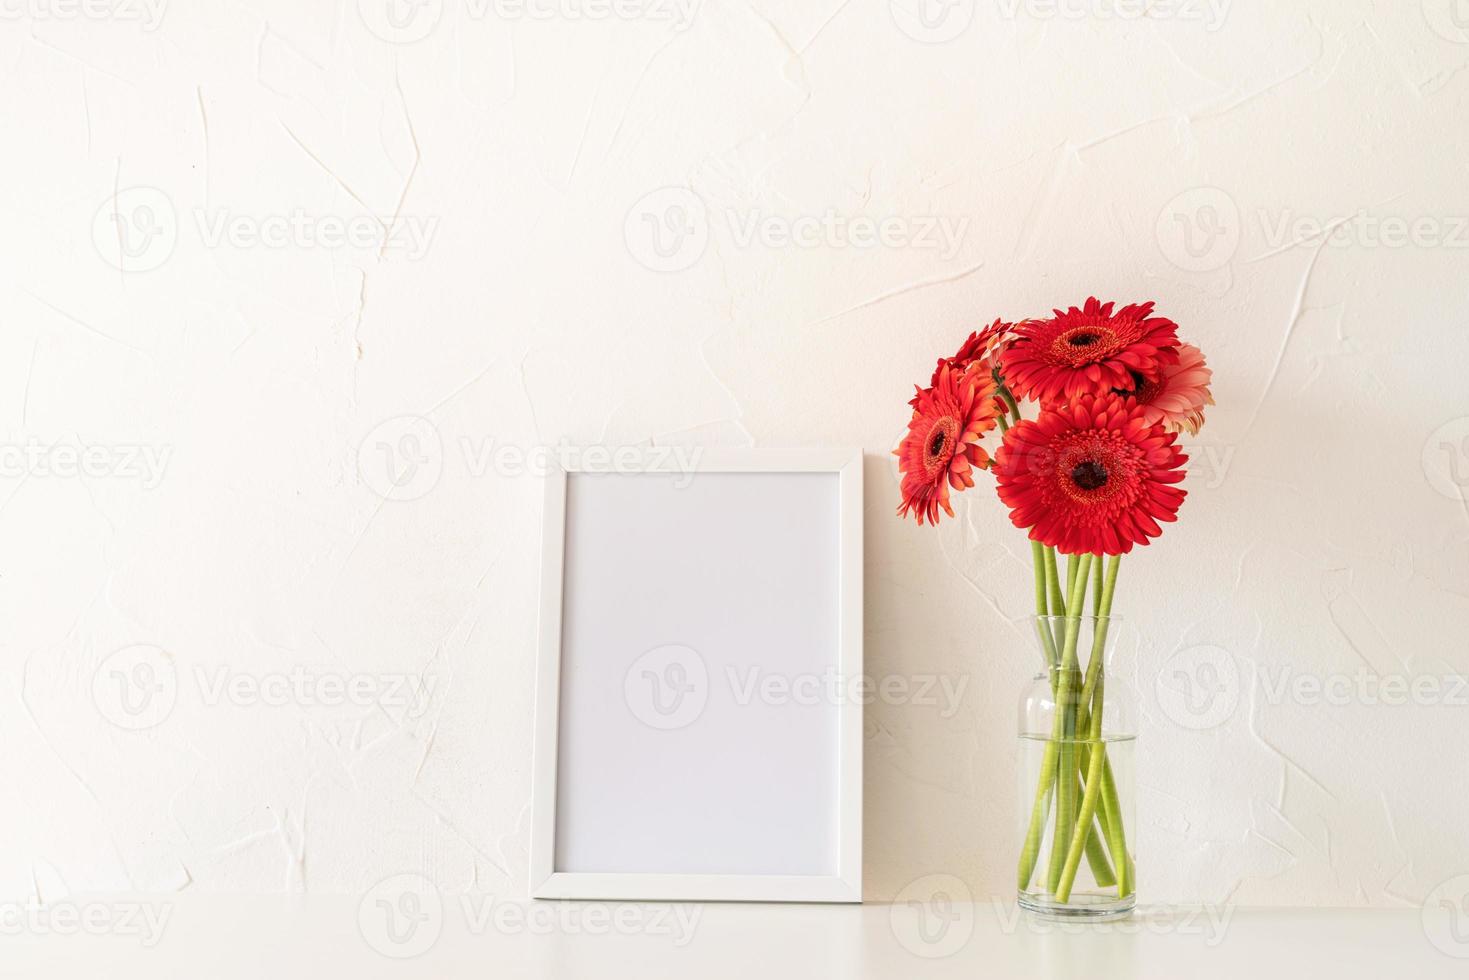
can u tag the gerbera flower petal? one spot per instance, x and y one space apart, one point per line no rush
1087 350
942 444
1178 395
1093 476
941 447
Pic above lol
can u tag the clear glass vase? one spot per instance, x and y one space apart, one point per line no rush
1075 810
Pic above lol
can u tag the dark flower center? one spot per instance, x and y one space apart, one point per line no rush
943 442
1089 474
1083 339
1142 389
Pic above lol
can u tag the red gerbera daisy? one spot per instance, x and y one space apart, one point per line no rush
1093 476
981 344
1090 349
942 444
1178 396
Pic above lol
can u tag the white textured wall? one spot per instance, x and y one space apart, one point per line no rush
241 379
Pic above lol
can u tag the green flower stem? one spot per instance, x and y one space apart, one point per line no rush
1048 643
1117 838
1096 854
1097 588
1040 808
1088 807
1064 727
1058 604
1010 400
1053 584
1100 786
1103 612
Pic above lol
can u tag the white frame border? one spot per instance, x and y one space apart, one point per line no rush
846 884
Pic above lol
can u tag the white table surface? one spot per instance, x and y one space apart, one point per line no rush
482 937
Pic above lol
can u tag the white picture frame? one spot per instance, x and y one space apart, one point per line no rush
787 823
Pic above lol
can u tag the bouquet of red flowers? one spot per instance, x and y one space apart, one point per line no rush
1094 472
